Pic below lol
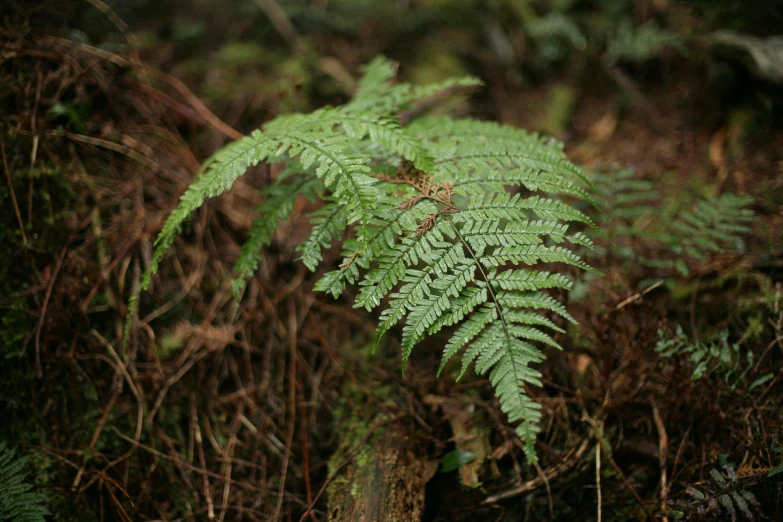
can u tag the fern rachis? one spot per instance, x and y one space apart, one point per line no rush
426 223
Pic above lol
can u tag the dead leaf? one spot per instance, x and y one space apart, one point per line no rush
603 129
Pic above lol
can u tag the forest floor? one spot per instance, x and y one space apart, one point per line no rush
219 409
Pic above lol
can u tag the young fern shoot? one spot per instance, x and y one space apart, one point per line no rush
430 231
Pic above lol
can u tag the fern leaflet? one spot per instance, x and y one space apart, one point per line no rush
17 503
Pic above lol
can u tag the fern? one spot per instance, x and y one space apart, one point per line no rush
555 34
623 199
723 494
713 356
714 224
627 213
429 232
640 44
17 503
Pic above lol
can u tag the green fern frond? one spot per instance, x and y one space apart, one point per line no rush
383 131
278 206
720 495
327 222
215 177
17 503
712 356
392 265
714 224
345 172
376 239
403 96
469 149
622 199
502 205
529 280
628 212
376 82
429 232
423 92
639 44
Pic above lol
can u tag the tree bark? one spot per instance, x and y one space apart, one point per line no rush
384 482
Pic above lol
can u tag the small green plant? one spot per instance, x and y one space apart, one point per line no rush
623 200
421 206
629 211
640 44
17 503
723 494
555 35
714 224
715 356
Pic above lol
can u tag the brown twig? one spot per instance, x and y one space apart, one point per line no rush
548 490
97 433
122 149
679 453
566 465
227 457
292 344
201 109
638 295
203 461
281 22
44 307
306 456
663 453
121 367
196 103
11 188
598 479
619 470
121 25
195 469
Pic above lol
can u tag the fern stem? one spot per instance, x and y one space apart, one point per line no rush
486 279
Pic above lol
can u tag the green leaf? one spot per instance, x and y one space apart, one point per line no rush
455 459
761 380
17 501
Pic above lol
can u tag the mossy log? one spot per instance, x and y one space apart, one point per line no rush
385 481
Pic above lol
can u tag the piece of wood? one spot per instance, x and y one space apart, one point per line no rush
385 481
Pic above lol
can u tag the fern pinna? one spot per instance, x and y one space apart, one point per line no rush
425 220
17 502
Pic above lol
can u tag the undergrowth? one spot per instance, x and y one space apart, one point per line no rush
716 356
213 368
630 212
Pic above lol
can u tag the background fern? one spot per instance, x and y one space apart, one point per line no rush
625 202
430 233
17 502
636 228
713 225
639 44
723 495
715 355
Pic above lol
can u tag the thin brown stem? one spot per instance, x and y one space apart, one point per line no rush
11 187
